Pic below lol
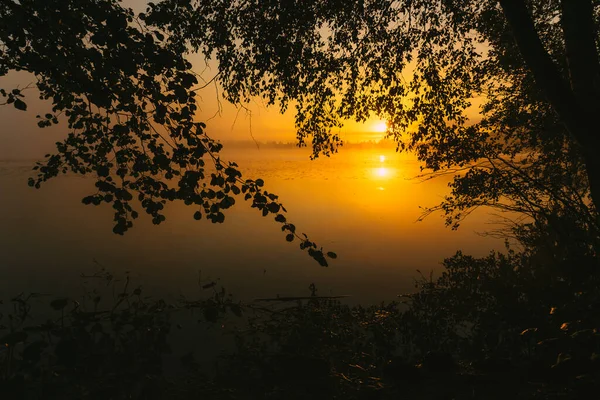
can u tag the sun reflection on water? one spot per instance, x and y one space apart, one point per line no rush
382 172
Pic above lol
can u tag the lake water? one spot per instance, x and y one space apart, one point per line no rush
360 203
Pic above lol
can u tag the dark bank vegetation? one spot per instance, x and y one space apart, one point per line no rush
513 325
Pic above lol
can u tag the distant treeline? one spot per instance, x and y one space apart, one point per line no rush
370 144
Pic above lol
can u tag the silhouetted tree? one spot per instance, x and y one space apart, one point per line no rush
128 96
418 64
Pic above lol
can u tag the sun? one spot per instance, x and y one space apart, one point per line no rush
380 127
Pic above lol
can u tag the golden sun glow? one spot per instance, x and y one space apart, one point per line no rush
382 172
381 169
380 127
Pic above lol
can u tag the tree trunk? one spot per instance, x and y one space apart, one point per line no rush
584 72
577 104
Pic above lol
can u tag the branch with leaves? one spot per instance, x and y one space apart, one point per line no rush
130 102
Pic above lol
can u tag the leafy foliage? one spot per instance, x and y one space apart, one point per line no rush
505 325
524 323
109 343
419 65
128 96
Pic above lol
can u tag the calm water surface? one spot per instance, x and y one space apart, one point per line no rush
361 204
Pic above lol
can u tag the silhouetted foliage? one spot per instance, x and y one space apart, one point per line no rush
419 65
109 343
128 96
128 92
123 79
506 325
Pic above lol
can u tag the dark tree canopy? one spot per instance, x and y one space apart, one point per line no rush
420 65
129 98
127 90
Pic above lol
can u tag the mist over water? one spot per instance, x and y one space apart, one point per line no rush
360 203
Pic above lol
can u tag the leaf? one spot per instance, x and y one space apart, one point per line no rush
318 256
331 254
20 105
188 79
289 237
181 94
209 285
103 171
123 194
120 229
259 182
273 207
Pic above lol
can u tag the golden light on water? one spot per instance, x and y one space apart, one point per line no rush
382 172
